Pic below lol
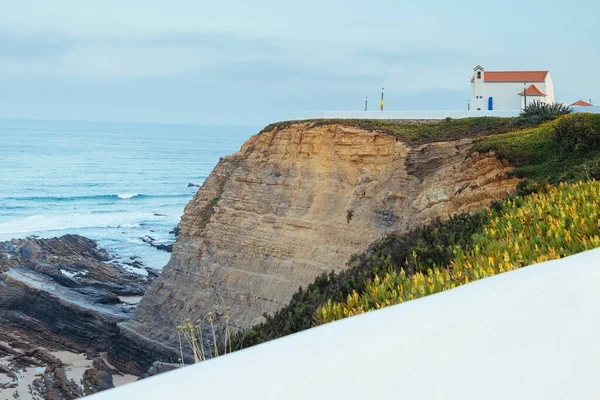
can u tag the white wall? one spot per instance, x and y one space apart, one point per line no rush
549 89
593 109
416 114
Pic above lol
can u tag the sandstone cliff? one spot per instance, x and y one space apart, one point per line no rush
290 205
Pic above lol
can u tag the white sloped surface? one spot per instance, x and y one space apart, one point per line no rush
527 334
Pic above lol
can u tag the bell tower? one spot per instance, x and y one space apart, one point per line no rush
478 89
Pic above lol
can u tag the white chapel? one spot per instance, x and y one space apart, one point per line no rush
509 90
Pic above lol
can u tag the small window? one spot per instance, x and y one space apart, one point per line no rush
478 74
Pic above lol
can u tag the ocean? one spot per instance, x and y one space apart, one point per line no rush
115 183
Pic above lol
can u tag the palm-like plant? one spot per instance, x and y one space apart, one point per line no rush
537 112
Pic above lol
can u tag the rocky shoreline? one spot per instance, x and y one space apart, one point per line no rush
61 299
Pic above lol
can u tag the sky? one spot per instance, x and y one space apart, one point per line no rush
250 62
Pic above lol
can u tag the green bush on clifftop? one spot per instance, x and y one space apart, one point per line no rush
545 154
537 112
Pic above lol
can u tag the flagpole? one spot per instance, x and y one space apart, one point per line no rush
366 102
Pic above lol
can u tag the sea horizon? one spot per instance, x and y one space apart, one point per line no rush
113 182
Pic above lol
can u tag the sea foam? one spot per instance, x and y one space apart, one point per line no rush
127 195
42 223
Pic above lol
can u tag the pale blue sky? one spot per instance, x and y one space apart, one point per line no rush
251 62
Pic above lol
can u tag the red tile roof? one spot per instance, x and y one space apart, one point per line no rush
514 76
533 91
581 103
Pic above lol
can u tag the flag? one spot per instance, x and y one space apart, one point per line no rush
381 102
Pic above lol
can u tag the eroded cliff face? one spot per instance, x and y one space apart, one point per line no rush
290 205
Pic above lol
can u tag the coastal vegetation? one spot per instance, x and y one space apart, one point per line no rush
415 132
566 149
553 215
191 335
522 231
537 112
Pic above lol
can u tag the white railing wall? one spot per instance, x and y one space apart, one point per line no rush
413 114
593 109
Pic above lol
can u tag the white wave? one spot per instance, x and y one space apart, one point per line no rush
127 195
125 226
43 223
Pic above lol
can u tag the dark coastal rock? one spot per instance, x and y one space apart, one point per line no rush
65 288
165 247
95 381
174 231
134 354
193 185
101 365
152 242
159 367
54 385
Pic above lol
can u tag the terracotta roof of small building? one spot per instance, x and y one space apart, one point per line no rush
514 76
533 91
581 103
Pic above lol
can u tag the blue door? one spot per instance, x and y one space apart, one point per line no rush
491 103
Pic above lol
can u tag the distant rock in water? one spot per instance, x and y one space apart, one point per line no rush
151 241
63 294
193 185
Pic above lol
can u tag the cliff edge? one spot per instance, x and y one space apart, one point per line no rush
294 202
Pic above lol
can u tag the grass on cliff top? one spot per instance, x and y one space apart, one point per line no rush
412 132
566 149
524 231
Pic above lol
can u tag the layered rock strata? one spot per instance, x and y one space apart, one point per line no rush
290 205
61 295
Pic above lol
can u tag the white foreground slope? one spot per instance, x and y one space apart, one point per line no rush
527 334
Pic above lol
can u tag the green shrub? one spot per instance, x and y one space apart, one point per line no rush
214 201
578 132
537 112
540 155
588 170
528 186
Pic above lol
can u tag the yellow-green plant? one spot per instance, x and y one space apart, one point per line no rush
192 335
558 222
